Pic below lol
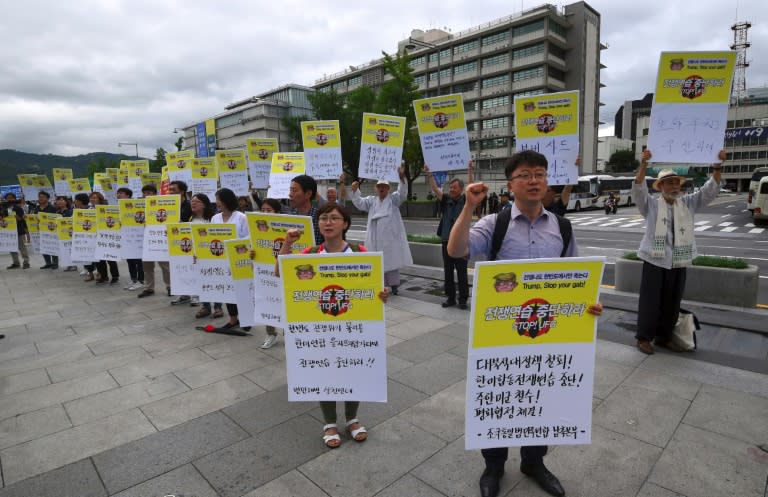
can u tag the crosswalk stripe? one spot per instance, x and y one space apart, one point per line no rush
757 230
725 224
730 228
702 228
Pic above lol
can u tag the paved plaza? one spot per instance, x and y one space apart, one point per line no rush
103 394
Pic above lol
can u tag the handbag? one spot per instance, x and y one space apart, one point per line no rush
684 333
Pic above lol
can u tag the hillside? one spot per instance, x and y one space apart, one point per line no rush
13 162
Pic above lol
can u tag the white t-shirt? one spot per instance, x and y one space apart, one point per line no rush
238 219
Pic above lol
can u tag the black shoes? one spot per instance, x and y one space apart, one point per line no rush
448 303
13 266
146 293
229 326
47 266
463 306
394 289
546 480
489 482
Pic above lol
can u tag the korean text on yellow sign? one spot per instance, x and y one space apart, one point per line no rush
132 212
48 223
180 242
64 228
332 287
320 134
288 162
79 185
268 234
444 113
379 129
240 263
62 174
204 168
537 302
261 149
547 115
162 209
84 220
231 160
695 77
209 239
108 218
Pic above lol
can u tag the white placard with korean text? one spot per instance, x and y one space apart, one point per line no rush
381 150
322 148
109 240
212 265
443 132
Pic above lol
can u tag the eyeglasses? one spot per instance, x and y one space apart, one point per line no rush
528 176
332 219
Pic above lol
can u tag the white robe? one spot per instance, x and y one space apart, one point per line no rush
386 232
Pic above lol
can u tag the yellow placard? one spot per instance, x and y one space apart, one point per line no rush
150 179
162 209
106 184
48 223
231 160
240 263
84 220
209 239
204 168
288 162
137 168
332 287
132 212
32 223
695 77
8 223
320 134
268 234
180 240
64 228
535 302
26 179
261 148
547 115
379 129
79 185
113 173
42 181
62 174
439 113
108 217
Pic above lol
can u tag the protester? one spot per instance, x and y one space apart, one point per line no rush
226 201
270 206
533 233
185 213
667 248
135 267
44 205
97 198
385 232
81 201
202 212
334 222
244 203
450 207
504 202
301 193
557 202
149 266
14 209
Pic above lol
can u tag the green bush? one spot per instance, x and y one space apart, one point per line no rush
705 260
425 239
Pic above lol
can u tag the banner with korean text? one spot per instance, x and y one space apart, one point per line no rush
9 237
180 165
549 124
205 177
690 106
33 227
443 132
381 150
49 233
531 361
233 170
212 272
109 238
65 226
160 210
84 236
181 254
322 148
285 167
241 267
135 169
132 217
260 151
61 177
335 342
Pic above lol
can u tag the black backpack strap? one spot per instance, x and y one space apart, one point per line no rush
566 232
499 231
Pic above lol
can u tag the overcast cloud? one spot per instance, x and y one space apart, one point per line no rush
81 76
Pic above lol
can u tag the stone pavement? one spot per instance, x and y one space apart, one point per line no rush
104 394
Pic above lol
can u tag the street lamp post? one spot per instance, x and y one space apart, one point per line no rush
414 43
127 144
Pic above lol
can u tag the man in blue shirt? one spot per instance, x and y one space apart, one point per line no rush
533 233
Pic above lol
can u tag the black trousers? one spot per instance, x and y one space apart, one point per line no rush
101 267
532 455
136 269
460 265
661 291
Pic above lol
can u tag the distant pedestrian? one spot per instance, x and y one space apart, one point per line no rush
12 208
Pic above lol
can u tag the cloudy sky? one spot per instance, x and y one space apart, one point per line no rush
81 76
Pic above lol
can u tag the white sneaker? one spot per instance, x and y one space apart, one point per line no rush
194 301
136 286
83 272
129 285
269 341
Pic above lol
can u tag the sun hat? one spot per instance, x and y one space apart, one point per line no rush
382 182
667 173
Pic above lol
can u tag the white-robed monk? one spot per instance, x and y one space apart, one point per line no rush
386 232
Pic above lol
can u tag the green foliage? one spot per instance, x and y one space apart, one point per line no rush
99 165
156 166
623 161
13 163
179 143
293 126
705 260
425 239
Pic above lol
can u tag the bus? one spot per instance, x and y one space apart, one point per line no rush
592 191
620 187
758 174
583 195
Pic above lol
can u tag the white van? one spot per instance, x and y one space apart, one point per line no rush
760 202
758 174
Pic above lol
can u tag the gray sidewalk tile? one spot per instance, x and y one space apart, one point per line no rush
291 483
661 382
395 315
641 413
246 465
53 451
395 449
104 362
608 375
410 486
104 404
22 364
733 414
393 340
593 470
100 347
456 330
195 403
220 369
712 374
652 490
16 346
616 352
234 345
455 472
151 456
32 425
9 314
698 462
23 381
75 480
33 317
271 377
185 478
158 366
435 374
441 414
179 343
37 398
425 347
745 344
267 410
415 327
395 364
49 346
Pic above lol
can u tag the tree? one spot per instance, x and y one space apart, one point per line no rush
623 161
179 143
293 127
156 166
99 165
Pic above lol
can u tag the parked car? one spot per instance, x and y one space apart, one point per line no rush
760 202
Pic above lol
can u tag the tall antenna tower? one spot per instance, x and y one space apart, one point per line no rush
740 44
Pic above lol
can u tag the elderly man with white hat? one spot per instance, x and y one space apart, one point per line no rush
667 248
386 232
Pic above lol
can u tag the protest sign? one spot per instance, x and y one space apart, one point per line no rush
61 177
322 148
233 170
180 165
285 167
84 226
159 211
204 177
9 238
181 253
49 233
79 185
132 224
212 265
33 227
241 268
109 238
65 226
260 151
443 132
381 150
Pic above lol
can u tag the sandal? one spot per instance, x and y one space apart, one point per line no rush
202 312
358 435
218 313
331 440
90 277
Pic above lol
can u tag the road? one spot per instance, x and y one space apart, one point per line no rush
724 228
